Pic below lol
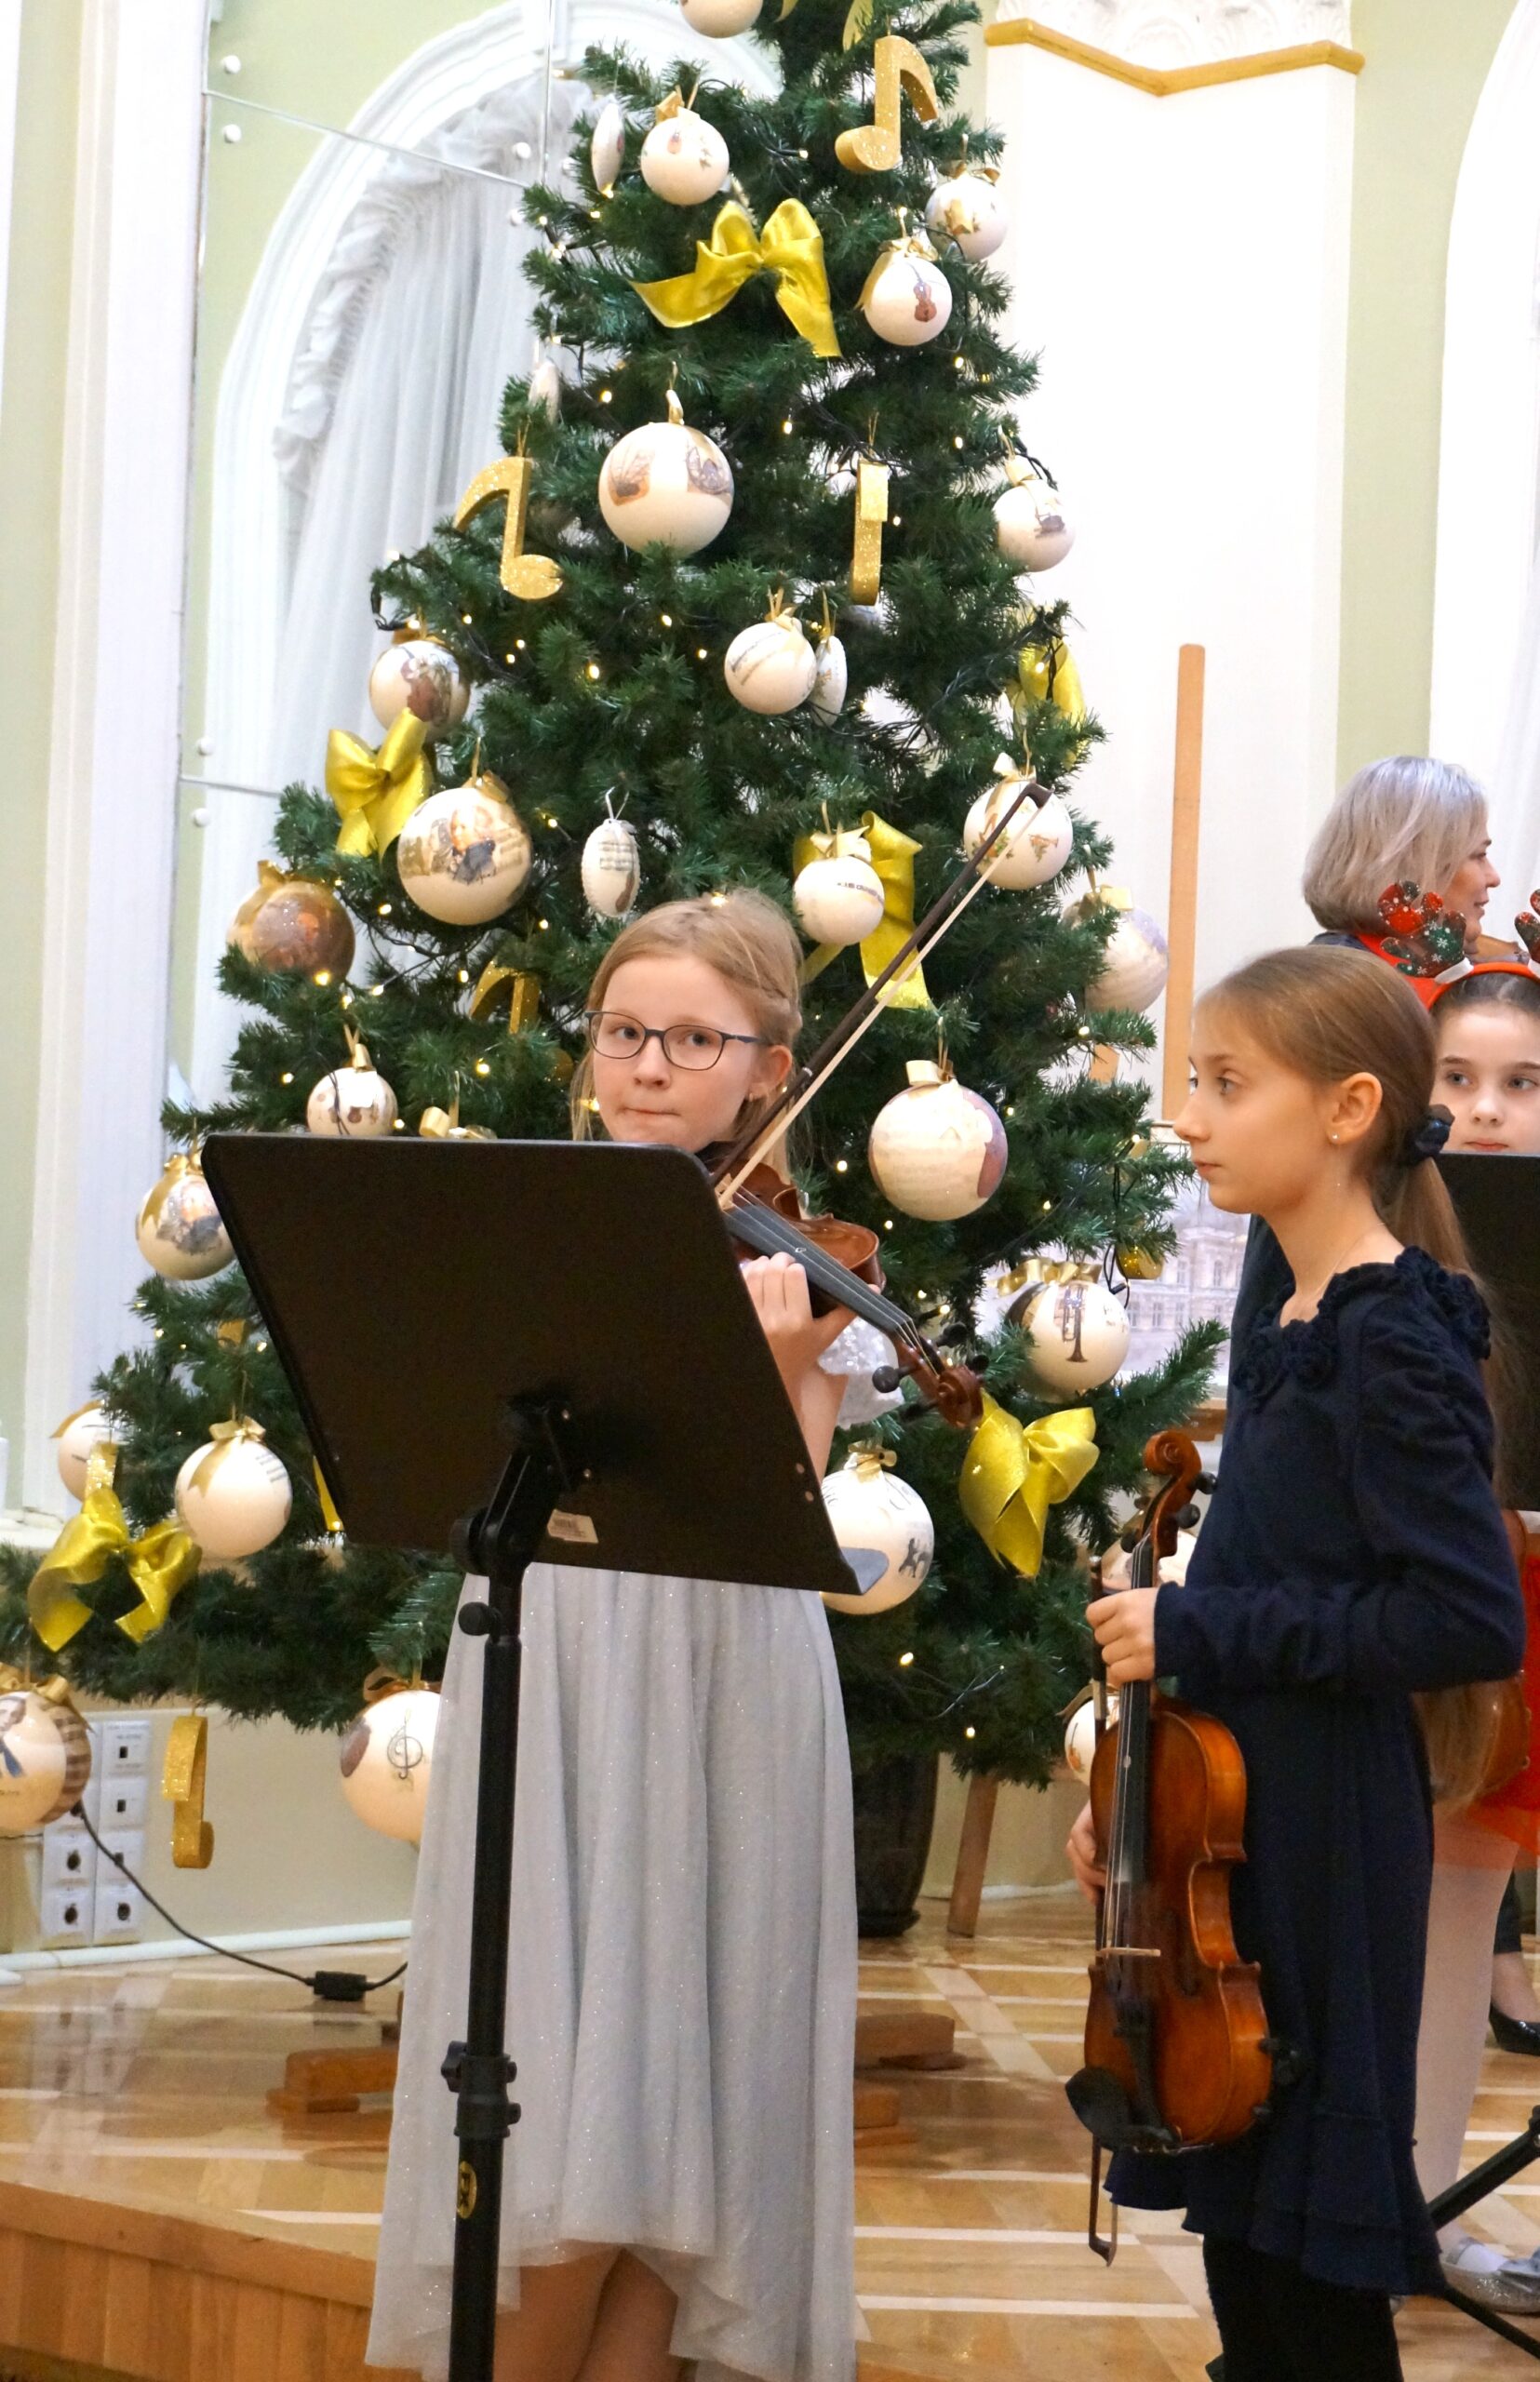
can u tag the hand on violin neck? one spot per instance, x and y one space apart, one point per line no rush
1114 1565
1123 1623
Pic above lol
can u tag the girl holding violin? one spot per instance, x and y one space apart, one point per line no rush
1354 1555
683 1962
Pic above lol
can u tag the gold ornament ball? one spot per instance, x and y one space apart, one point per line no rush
296 925
177 1226
45 1760
465 854
386 1761
417 673
233 1497
874 1513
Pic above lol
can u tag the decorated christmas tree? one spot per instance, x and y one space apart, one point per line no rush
751 597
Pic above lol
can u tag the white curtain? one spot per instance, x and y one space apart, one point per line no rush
414 329
1515 790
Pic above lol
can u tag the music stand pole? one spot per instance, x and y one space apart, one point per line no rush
500 1541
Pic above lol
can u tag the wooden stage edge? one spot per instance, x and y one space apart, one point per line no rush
95 2292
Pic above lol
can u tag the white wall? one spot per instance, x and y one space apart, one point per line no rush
1182 264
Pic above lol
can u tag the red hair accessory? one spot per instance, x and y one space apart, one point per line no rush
1421 937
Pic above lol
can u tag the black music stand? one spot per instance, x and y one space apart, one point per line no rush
526 1350
1497 1200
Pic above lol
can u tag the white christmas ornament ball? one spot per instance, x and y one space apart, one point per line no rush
907 298
1034 848
684 158
386 1761
1078 1333
45 1760
1030 527
74 1444
233 1495
838 900
771 667
1081 1741
969 209
178 1228
354 1102
831 679
937 1150
465 854
607 149
666 483
419 675
872 1512
719 18
611 869
1135 964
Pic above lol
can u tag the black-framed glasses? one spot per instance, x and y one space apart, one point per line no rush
615 1036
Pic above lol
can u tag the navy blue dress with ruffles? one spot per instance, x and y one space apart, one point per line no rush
1354 1552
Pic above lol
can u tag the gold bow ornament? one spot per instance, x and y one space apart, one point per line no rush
893 856
791 246
160 1562
377 788
444 1124
1012 1474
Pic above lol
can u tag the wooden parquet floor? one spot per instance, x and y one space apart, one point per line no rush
142 2087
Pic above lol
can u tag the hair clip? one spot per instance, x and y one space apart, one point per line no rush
1422 937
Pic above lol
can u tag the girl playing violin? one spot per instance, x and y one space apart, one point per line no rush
683 1960
1354 1553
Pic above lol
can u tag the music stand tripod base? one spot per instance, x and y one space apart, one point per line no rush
1490 2176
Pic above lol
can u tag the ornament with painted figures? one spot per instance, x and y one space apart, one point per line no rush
1039 840
936 1149
611 867
294 925
385 1761
968 209
44 1753
684 158
1077 1330
353 1102
233 1495
464 855
769 667
884 1528
1031 527
417 673
666 484
906 298
178 1228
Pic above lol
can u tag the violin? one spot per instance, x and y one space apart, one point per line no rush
1177 2053
765 1216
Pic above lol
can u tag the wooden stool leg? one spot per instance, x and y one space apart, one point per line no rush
978 1820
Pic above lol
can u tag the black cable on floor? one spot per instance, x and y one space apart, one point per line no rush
328 1984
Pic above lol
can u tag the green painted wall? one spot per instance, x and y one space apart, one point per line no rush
31 462
1427 64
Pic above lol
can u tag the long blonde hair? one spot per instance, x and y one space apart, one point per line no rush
1327 1013
1403 817
751 945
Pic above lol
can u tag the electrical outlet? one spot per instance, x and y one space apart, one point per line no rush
125 1748
128 1844
119 1912
123 1804
69 1858
67 1915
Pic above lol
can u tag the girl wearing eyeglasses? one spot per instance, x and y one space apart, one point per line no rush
682 1975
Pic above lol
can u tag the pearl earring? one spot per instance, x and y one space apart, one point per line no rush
1331 1137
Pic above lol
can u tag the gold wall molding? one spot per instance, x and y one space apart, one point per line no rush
1162 81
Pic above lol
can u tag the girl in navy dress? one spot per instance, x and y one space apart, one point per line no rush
1353 1556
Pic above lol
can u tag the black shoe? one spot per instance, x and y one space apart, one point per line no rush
1515 2034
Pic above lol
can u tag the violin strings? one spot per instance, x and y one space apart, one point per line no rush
831 1275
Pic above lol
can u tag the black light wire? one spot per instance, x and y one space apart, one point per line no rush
340 1980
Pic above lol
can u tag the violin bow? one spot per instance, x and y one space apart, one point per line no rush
738 1163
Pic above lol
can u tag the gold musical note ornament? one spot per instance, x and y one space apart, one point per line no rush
878 147
530 576
871 512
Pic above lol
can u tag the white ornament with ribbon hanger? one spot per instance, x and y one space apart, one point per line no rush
1077 1330
232 1494
178 1228
354 1102
465 854
1135 960
838 897
419 674
937 1150
879 1522
1037 844
684 157
611 867
44 1753
906 298
1031 529
967 207
666 484
771 667
76 1437
386 1759
831 676
607 146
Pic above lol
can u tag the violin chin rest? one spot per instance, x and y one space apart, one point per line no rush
1100 2100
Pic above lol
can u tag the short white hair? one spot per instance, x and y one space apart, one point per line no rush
1407 817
